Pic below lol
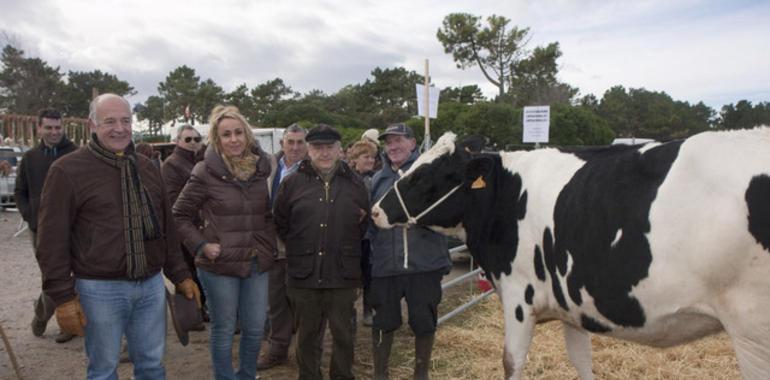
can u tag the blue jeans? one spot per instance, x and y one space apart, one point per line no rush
136 309
231 299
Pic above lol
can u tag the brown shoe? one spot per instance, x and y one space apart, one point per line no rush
270 361
63 337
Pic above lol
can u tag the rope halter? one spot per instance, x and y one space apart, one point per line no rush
412 220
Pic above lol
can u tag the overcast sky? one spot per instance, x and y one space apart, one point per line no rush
717 52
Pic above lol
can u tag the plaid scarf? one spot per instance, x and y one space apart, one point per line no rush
139 220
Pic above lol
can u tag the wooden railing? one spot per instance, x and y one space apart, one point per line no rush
22 129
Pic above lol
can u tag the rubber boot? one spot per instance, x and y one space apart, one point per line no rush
423 346
382 343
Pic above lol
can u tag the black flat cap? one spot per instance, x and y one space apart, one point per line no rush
322 134
398 129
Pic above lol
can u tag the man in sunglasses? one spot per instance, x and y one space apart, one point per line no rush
176 171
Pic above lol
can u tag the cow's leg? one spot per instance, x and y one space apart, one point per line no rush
579 350
751 340
518 336
748 324
753 356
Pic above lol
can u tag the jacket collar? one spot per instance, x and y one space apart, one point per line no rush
343 170
187 155
58 148
387 169
216 165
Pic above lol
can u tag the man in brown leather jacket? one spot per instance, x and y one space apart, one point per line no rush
105 231
321 214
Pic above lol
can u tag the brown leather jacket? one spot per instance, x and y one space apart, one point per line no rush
80 228
322 226
235 214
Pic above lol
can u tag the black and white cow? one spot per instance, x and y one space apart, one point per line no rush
659 244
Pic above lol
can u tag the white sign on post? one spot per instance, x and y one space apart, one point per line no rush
434 91
536 123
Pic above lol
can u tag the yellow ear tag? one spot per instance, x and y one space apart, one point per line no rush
479 183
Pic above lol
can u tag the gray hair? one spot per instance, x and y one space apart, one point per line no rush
294 128
185 127
95 104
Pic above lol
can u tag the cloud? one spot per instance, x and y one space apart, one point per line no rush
694 50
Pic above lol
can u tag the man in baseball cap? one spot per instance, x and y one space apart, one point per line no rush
420 283
398 129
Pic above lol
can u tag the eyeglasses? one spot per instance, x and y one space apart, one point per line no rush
188 139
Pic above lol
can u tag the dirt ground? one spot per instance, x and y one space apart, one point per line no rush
42 358
467 347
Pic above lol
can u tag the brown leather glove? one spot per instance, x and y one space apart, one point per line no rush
189 289
71 317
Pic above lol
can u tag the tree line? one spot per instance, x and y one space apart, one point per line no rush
499 50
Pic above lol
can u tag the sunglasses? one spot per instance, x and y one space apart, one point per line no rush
188 139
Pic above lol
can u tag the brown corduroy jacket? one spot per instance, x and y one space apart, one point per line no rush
236 214
80 225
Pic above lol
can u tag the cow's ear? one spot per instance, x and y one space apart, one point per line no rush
478 171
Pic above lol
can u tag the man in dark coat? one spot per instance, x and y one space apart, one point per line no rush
293 151
30 177
175 172
396 275
321 215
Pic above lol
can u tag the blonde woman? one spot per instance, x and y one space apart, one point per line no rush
361 158
235 248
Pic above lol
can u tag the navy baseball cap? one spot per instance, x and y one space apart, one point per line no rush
398 129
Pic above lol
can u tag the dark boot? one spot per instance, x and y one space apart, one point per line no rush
423 346
367 316
42 315
382 343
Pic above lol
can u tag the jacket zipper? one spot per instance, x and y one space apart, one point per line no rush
324 232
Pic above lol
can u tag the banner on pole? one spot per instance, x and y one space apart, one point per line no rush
434 92
536 124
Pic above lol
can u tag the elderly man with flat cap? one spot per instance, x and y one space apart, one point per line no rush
321 214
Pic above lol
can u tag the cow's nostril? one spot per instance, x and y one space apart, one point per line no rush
375 214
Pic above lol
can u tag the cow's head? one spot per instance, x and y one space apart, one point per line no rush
435 183
471 197
436 190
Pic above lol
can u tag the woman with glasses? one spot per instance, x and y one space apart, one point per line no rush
176 171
